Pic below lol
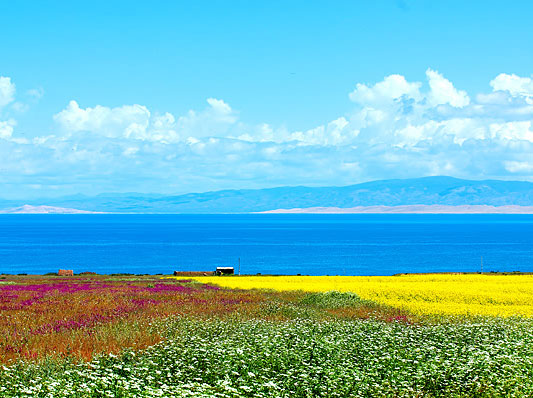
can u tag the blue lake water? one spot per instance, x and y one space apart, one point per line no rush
269 244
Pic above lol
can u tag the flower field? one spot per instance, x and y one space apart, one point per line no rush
437 294
143 336
82 316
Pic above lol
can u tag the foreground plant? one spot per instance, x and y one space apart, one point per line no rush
300 358
144 337
79 317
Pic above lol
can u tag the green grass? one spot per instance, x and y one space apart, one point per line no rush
335 300
288 345
300 358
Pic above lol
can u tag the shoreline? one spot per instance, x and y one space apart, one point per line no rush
196 274
408 209
374 209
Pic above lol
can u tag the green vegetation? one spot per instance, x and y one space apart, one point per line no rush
230 343
300 358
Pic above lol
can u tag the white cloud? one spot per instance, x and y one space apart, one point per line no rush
215 121
164 121
7 96
137 122
221 110
392 88
6 129
334 133
519 167
20 107
131 151
127 120
515 85
7 91
397 128
512 131
442 91
36 93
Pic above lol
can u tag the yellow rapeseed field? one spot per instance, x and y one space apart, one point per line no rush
439 294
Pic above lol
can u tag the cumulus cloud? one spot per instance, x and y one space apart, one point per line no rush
395 129
392 88
216 120
7 91
138 123
6 129
127 120
442 91
515 85
7 96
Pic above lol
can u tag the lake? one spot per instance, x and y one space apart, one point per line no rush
313 244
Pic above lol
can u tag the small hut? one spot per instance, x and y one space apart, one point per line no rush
224 271
65 272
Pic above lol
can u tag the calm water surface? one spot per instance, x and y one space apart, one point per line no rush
279 244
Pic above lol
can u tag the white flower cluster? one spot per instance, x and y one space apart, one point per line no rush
300 358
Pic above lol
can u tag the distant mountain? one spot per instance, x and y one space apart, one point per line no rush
28 209
444 191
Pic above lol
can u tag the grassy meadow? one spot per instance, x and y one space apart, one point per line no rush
147 336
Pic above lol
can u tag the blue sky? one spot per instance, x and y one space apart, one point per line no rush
175 97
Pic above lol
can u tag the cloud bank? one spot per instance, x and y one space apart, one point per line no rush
395 129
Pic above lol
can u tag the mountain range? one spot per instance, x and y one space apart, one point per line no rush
443 191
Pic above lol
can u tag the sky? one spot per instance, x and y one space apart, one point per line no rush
176 97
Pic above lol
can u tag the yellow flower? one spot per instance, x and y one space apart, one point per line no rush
440 294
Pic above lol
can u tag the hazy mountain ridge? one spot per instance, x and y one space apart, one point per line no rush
446 191
29 209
